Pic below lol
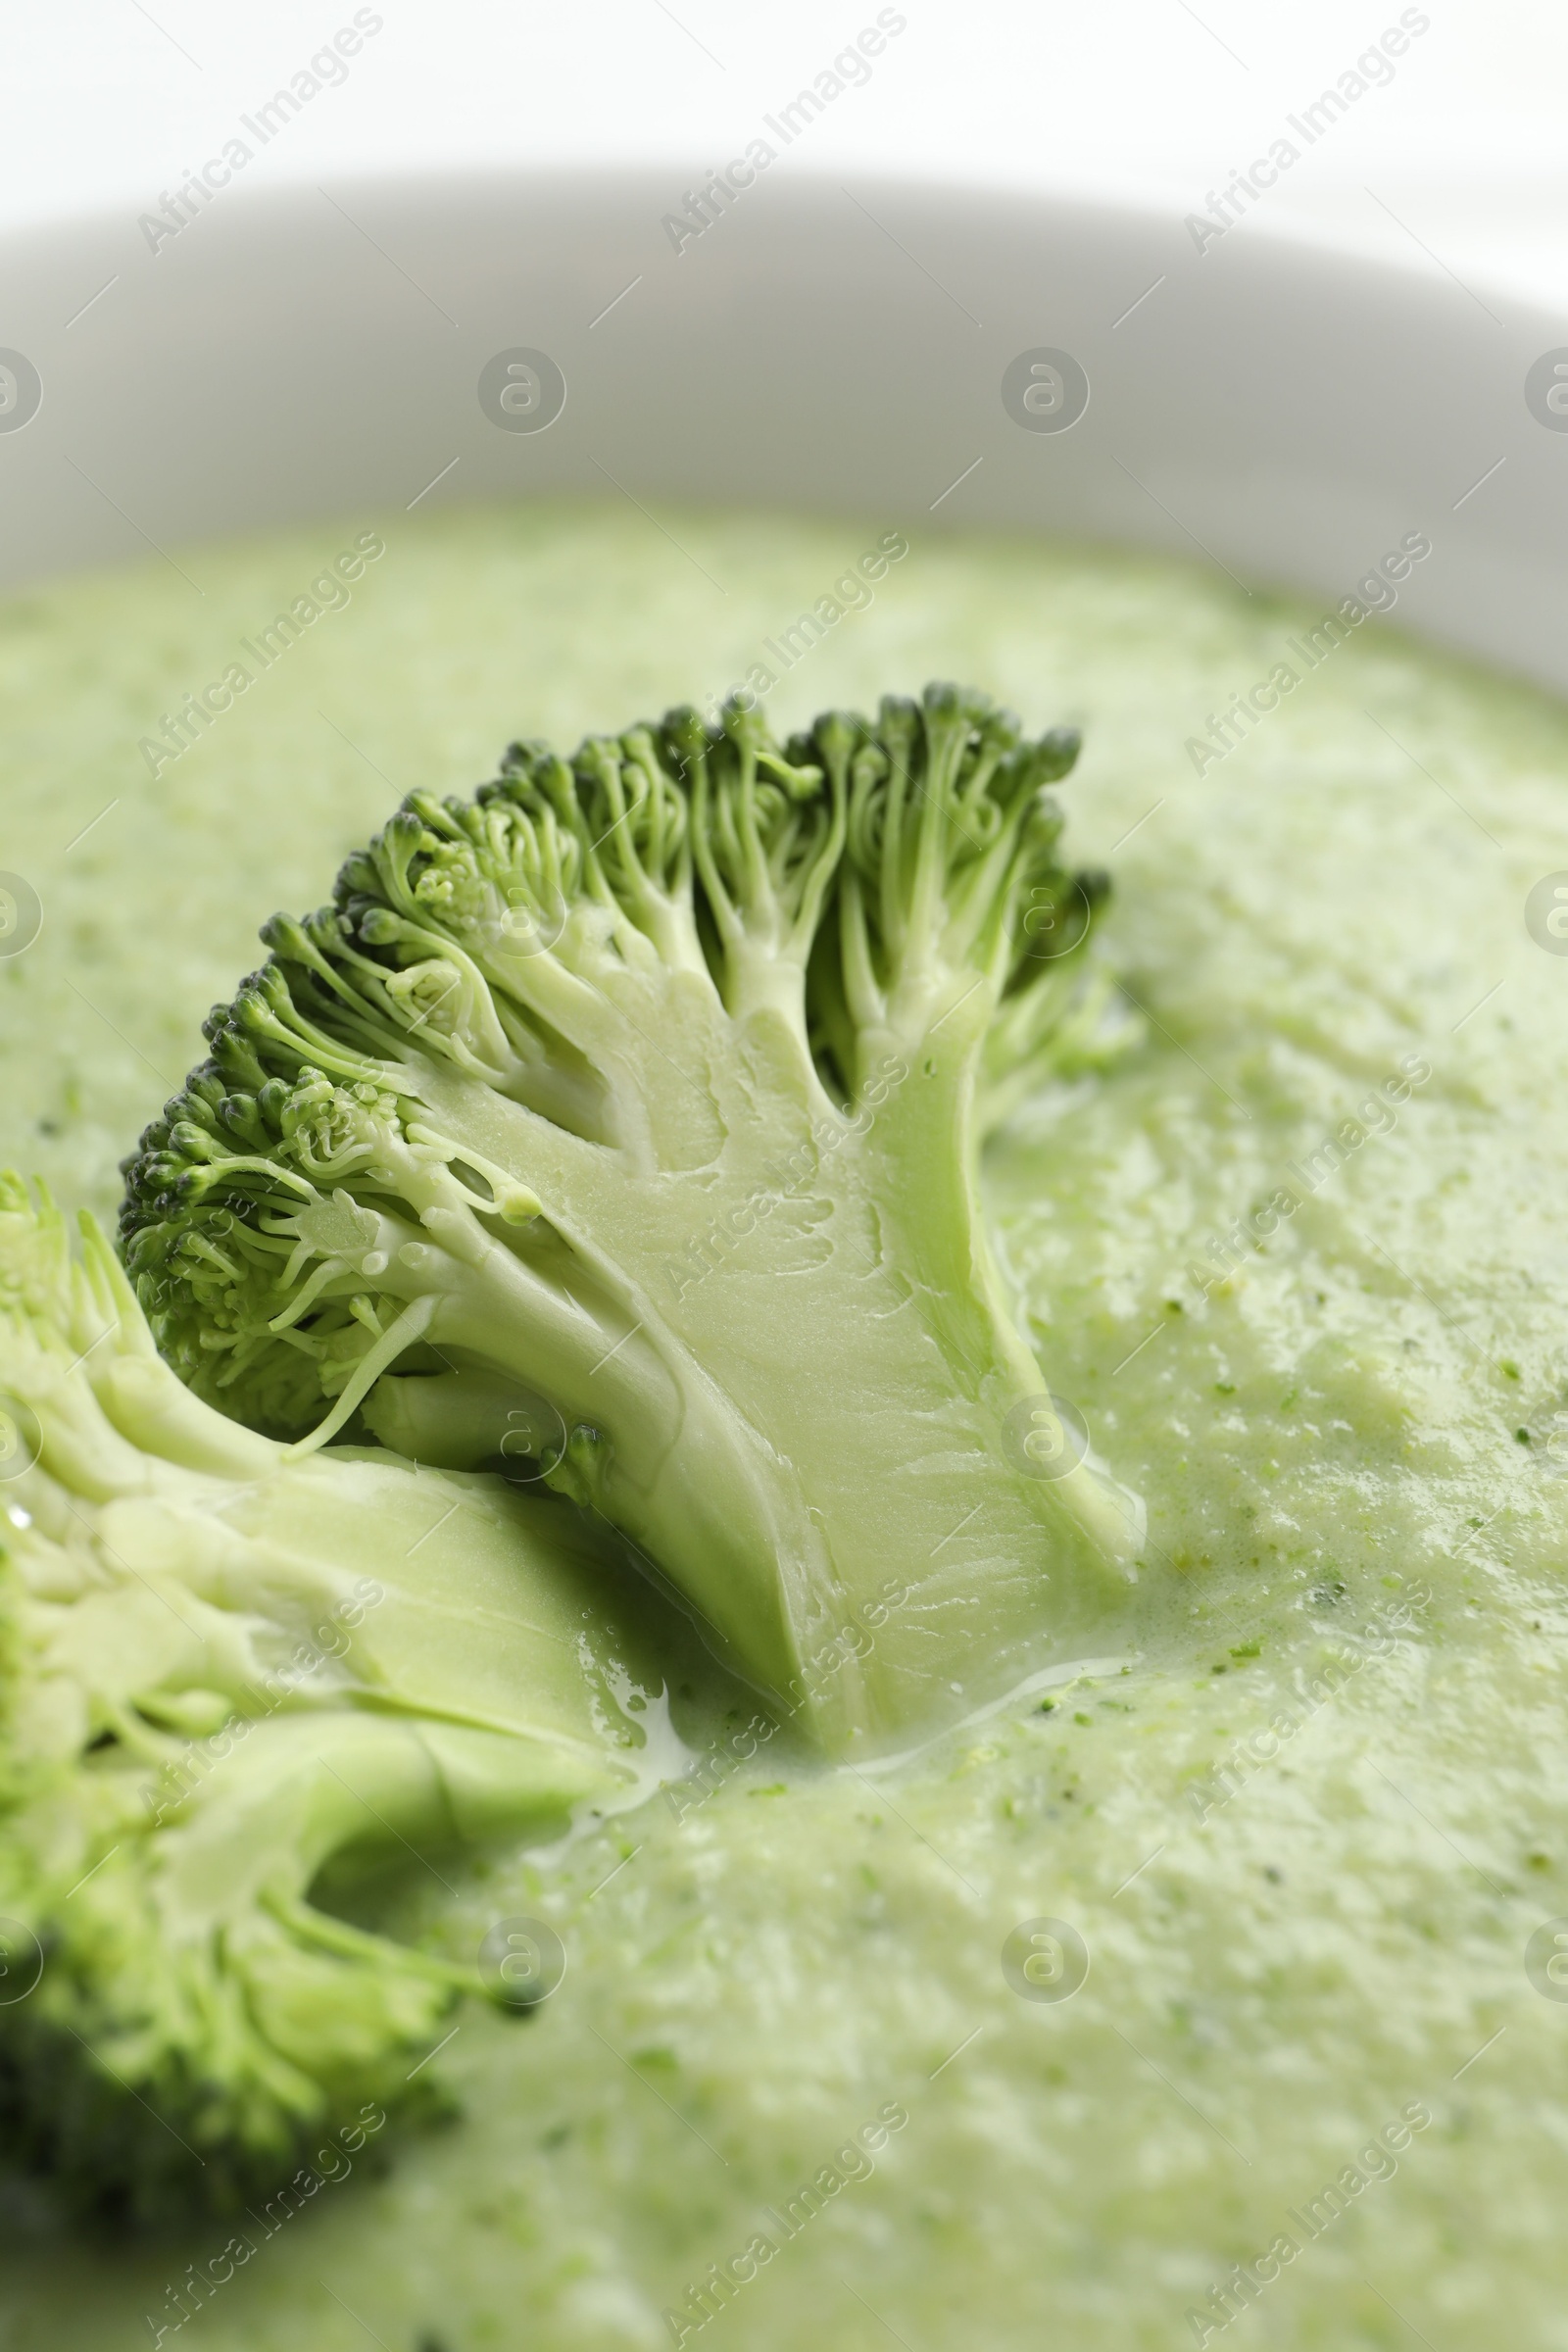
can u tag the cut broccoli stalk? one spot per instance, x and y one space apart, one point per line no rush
629 1111
224 1671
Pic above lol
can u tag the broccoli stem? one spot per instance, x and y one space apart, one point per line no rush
808 1399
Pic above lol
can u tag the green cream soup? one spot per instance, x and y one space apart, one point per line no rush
821 2070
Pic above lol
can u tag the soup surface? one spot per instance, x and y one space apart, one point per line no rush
1300 1257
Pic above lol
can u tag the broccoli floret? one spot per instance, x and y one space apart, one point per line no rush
638 1099
223 1673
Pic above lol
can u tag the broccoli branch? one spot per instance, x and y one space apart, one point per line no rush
226 1670
638 1100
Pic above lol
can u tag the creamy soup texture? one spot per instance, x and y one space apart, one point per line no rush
1301 1259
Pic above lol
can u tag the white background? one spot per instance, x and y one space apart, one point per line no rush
1461 162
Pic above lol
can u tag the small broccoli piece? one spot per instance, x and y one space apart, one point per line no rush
636 1099
223 1673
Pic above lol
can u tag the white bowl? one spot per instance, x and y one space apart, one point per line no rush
1289 413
